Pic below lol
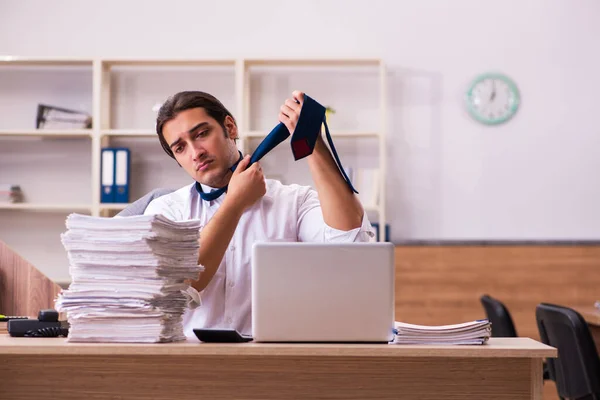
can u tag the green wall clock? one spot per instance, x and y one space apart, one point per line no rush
492 98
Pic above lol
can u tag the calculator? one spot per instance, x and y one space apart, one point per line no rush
221 336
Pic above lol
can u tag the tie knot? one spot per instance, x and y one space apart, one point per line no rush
212 195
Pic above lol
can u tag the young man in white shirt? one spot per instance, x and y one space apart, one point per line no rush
197 131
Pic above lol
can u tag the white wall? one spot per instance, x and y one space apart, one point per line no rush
450 178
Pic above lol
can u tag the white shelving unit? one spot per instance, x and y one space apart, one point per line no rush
86 208
117 85
75 133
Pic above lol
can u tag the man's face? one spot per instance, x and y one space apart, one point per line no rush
201 147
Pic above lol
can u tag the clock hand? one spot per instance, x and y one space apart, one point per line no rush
493 95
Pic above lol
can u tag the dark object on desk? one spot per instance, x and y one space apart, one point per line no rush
576 371
221 336
502 322
46 325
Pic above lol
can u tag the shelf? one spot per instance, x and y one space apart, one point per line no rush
170 62
67 61
316 62
128 132
46 207
27 61
83 133
113 206
338 134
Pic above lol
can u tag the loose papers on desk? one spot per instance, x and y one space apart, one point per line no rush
128 277
474 332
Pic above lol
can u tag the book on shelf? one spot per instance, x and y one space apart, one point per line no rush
10 193
52 117
468 333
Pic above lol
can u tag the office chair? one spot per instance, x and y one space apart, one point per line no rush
498 315
576 371
139 206
502 322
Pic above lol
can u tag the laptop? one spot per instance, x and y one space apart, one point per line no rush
323 292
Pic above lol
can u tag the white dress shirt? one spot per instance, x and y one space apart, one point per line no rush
289 213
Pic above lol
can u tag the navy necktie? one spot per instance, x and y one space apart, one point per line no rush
303 142
312 115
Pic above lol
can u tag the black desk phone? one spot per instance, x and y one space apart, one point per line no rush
46 325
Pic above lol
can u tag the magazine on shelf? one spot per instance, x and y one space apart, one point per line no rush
51 117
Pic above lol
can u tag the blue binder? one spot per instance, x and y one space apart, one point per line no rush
122 174
107 176
375 226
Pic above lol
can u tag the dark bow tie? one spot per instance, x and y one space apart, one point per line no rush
303 142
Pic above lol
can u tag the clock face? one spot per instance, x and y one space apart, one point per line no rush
492 99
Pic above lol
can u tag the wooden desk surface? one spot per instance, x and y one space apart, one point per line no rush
495 348
504 369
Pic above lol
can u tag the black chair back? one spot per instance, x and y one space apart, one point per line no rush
576 371
498 315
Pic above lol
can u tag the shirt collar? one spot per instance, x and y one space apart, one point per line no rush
206 188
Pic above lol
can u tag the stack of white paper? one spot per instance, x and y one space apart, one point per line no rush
128 277
475 332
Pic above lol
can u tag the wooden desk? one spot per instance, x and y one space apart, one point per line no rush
506 368
592 317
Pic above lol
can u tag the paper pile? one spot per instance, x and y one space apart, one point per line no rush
475 332
128 277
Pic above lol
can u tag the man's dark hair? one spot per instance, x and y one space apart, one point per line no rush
184 101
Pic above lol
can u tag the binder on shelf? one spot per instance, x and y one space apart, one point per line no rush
122 164
107 176
375 226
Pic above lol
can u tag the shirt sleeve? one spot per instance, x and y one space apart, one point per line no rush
312 226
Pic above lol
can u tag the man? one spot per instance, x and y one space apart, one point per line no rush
197 131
